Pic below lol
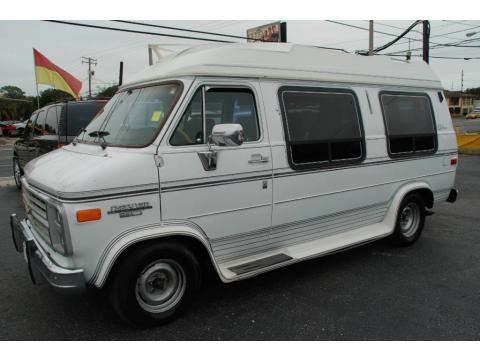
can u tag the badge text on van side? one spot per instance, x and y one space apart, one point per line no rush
128 210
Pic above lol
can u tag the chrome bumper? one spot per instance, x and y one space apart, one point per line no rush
41 268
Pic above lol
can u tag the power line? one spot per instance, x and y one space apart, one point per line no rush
182 29
458 22
135 31
434 36
439 46
387 45
437 57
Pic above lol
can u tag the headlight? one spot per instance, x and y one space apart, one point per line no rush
57 228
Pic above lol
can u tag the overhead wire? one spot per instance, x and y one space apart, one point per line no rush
135 31
182 29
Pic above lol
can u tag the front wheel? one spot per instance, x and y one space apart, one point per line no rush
154 283
410 220
17 173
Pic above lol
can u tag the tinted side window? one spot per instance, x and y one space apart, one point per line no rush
29 126
79 116
222 106
52 120
322 126
39 124
409 123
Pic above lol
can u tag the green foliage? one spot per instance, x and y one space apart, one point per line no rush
13 92
107 92
53 95
474 91
10 109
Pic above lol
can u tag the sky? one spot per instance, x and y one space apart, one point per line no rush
65 45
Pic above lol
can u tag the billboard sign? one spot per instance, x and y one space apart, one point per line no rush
274 32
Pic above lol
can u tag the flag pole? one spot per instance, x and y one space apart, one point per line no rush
36 83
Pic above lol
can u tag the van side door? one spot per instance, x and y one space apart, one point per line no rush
322 184
232 202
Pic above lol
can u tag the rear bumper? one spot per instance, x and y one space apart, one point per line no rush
452 196
41 268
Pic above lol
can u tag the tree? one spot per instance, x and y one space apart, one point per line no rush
53 95
12 92
14 105
107 92
474 91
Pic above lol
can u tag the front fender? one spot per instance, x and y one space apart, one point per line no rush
155 231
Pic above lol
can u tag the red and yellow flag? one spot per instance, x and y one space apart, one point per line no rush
48 73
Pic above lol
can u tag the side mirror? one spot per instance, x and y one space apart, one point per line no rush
227 135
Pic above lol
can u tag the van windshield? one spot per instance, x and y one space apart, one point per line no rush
133 117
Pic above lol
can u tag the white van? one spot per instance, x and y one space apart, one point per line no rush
244 157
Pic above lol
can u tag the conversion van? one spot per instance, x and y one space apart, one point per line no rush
242 157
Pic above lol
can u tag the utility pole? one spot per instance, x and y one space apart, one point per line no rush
461 86
370 38
120 74
90 62
426 41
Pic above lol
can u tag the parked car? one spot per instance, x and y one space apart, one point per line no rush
475 114
7 126
20 128
242 158
51 127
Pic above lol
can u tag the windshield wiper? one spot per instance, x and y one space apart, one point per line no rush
101 135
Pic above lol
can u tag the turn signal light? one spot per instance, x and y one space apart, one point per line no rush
453 162
89 215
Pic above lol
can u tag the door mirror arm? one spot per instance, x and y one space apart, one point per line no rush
209 158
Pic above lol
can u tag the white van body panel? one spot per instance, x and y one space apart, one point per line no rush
245 211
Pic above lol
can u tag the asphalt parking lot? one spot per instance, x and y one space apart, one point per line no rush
6 166
467 125
429 291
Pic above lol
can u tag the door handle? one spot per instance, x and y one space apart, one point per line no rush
258 159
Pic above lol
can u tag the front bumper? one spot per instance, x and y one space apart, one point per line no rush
41 268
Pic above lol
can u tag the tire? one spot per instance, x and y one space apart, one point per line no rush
17 173
410 221
154 284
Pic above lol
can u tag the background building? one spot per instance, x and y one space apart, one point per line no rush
460 103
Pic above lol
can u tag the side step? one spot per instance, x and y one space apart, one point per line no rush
259 264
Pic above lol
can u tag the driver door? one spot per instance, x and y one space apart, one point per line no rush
232 203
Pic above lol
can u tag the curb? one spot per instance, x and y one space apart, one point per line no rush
7 181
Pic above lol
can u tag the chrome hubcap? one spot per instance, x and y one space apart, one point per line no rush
410 219
160 286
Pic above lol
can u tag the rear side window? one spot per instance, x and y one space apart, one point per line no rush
79 116
52 120
322 127
39 125
409 123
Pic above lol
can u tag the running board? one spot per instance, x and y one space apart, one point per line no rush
259 264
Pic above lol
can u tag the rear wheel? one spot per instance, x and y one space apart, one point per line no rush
17 173
154 284
410 220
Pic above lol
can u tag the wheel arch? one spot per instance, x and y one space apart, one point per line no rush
190 238
421 187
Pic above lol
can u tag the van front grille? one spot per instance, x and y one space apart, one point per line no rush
36 209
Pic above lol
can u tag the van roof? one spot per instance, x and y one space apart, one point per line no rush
288 61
